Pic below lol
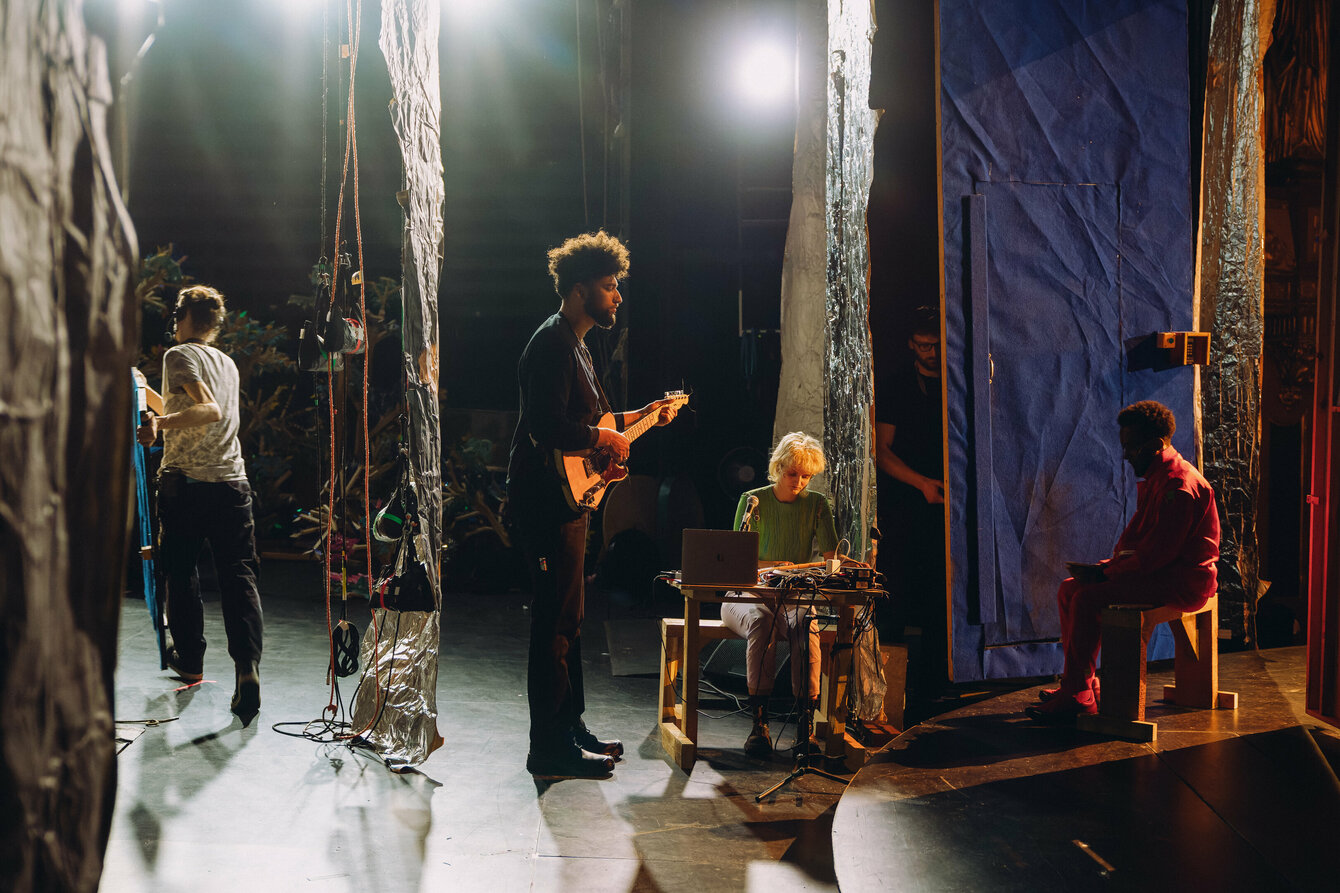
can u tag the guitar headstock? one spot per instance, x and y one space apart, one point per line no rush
677 398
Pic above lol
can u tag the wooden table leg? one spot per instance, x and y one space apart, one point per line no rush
672 651
674 648
837 744
689 673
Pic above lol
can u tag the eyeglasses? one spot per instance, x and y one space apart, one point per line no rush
925 346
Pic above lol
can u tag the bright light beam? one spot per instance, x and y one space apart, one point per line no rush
764 74
466 11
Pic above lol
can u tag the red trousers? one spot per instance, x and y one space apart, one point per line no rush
1081 608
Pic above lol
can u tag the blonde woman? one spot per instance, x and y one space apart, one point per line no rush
790 521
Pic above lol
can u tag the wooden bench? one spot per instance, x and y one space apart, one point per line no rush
671 706
672 648
1126 630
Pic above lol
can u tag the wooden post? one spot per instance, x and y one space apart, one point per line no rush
1124 667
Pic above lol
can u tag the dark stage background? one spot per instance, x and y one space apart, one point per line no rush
224 163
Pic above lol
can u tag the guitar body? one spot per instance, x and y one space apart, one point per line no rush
587 474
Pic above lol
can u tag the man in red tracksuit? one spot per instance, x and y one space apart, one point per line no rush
1166 555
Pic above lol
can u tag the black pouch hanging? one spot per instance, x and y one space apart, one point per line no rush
346 639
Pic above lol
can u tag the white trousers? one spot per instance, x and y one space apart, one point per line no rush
761 625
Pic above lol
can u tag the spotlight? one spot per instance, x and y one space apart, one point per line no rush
764 73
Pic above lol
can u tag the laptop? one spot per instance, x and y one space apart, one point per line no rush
721 558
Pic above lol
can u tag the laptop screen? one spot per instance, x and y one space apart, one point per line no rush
719 557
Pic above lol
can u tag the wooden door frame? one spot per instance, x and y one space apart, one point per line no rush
1323 628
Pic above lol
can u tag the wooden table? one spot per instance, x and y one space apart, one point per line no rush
679 713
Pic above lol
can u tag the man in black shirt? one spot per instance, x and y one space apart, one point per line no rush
561 407
909 452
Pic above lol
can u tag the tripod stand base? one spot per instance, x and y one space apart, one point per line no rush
802 769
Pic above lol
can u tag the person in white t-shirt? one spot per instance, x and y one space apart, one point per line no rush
203 494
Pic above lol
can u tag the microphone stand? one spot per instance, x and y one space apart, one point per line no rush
804 719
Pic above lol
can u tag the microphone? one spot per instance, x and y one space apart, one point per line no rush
749 505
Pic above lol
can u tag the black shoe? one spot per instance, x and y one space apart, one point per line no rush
181 669
572 762
586 740
759 742
247 695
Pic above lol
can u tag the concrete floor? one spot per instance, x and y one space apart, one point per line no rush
205 803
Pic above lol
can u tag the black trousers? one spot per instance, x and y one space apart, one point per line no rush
555 550
912 559
190 512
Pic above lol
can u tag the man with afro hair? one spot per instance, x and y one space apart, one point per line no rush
1165 556
562 406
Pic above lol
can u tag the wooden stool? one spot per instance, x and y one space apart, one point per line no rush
672 651
1126 630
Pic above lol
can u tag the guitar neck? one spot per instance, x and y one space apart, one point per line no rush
641 426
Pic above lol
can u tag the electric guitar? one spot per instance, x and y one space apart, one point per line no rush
587 474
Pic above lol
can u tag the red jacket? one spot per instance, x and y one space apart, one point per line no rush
1173 537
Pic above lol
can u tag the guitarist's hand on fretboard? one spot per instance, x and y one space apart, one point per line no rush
614 443
668 408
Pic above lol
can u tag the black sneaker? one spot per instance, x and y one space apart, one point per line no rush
247 695
181 669
586 740
572 762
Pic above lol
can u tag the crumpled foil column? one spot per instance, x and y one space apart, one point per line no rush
1230 295
404 700
828 386
848 438
67 253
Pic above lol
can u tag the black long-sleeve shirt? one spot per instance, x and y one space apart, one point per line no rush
561 404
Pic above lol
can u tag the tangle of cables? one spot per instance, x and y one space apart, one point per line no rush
339 331
815 586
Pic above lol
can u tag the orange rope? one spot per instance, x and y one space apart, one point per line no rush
354 16
367 366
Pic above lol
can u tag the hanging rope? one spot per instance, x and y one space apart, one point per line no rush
354 17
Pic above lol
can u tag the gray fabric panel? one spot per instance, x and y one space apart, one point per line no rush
66 258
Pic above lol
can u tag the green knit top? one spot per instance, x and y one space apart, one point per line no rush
787 530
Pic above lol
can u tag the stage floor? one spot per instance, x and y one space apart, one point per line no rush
982 798
206 804
978 798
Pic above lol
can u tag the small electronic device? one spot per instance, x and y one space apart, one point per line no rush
858 577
